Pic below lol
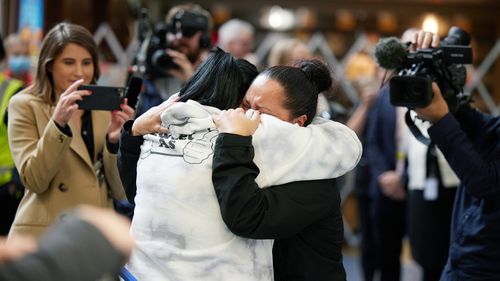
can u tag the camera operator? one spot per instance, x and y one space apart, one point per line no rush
184 43
470 141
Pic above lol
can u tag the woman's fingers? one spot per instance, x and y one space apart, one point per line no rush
163 130
78 95
122 116
72 88
126 109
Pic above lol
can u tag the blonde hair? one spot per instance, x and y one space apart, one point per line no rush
282 52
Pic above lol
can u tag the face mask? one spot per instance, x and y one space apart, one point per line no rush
19 64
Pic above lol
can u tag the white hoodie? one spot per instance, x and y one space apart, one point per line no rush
177 223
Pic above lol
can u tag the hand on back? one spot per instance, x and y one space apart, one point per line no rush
150 121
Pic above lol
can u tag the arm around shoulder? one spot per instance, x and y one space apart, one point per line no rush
271 213
287 152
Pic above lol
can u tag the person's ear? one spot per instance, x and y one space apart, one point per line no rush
301 120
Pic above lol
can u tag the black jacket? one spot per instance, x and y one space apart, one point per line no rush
128 155
304 217
470 141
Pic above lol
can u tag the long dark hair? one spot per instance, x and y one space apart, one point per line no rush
302 83
220 81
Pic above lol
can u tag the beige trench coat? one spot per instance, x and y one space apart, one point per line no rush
55 169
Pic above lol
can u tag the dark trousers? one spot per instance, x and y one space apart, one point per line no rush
429 230
383 228
8 207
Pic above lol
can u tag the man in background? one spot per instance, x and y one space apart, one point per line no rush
470 141
188 42
237 38
18 59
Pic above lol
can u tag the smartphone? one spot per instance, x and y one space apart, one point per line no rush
133 90
102 98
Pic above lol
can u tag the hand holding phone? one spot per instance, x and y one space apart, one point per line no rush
102 98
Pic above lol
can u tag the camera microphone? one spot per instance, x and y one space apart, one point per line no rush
390 53
133 90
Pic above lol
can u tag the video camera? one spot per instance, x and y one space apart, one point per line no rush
152 60
416 71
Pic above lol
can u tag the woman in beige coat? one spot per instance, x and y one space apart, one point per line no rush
65 156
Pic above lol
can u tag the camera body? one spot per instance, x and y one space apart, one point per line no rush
412 86
152 58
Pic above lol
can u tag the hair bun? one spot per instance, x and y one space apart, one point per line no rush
317 73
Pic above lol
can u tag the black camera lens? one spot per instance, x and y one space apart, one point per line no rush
417 90
162 60
410 91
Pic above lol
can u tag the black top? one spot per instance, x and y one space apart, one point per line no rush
88 135
128 155
304 217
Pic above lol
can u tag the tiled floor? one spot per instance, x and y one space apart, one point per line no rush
410 270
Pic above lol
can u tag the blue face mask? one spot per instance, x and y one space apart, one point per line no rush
19 64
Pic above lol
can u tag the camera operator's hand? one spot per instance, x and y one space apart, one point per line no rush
423 40
185 69
436 110
150 121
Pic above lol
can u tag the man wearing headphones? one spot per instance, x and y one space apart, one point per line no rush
188 28
189 38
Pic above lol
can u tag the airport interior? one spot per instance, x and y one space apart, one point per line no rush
398 218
